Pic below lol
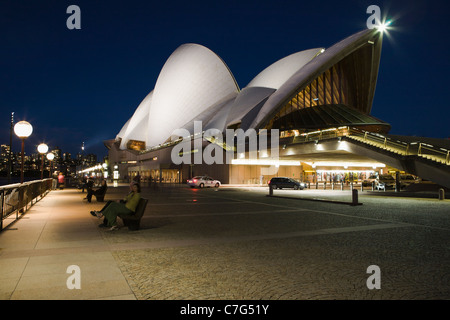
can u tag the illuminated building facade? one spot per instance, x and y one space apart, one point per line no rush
306 96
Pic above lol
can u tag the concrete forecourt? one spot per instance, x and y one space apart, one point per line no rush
231 243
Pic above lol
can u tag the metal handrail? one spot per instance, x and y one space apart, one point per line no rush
321 135
18 198
418 148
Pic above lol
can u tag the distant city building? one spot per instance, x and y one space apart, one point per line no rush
91 159
4 156
67 156
62 162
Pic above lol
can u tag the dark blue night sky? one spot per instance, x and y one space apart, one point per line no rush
83 85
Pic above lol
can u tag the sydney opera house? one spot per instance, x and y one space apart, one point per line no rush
316 99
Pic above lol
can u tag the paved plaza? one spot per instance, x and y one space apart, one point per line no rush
231 243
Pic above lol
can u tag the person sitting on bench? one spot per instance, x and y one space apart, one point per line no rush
112 209
99 192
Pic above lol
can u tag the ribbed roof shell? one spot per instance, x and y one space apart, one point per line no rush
193 79
316 66
279 72
137 125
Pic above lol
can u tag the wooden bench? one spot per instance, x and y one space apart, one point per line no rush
100 197
133 221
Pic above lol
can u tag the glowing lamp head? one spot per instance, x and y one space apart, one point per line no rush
50 156
23 129
42 148
383 26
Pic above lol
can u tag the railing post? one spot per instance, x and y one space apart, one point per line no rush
2 209
21 201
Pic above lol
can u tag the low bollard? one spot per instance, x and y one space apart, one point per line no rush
354 197
441 194
270 190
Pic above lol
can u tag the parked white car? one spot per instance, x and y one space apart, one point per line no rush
203 182
385 181
369 180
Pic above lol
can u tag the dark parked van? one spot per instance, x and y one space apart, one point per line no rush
283 182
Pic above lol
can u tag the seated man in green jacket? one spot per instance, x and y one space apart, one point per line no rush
113 209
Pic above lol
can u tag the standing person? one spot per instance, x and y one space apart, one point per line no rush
61 181
89 186
113 209
84 184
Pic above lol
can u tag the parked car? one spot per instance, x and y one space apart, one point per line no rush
203 182
407 179
385 181
283 182
369 180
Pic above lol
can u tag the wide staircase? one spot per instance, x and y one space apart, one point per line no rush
427 158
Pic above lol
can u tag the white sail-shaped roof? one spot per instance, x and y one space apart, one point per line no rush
309 71
122 130
138 123
279 72
193 79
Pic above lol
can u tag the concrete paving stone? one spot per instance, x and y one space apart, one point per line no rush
45 277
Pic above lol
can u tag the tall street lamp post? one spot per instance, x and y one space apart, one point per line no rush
42 148
82 157
10 148
23 130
